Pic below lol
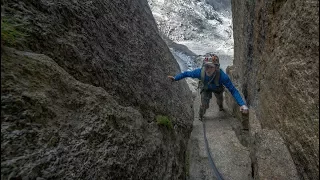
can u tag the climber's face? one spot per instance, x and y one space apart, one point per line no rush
210 69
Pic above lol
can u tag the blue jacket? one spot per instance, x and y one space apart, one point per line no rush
224 80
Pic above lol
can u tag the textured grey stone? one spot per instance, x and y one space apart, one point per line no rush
230 157
276 69
80 98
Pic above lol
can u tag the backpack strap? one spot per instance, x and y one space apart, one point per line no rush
202 86
217 77
203 74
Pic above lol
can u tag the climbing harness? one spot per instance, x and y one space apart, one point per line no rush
215 169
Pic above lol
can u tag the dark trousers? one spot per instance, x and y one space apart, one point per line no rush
205 100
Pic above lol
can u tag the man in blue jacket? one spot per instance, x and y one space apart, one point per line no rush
213 80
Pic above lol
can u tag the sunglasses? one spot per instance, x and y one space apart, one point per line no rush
209 67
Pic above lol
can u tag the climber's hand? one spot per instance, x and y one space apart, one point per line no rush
171 78
244 109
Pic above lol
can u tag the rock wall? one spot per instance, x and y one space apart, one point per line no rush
82 86
276 68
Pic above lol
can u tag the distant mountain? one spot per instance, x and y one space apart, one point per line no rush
192 19
201 25
220 5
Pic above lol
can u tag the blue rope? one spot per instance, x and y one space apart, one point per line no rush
216 172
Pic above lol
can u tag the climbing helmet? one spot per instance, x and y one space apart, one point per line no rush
211 59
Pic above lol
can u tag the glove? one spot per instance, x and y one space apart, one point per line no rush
244 109
171 78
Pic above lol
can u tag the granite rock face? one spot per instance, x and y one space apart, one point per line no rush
81 92
276 68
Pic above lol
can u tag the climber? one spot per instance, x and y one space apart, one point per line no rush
212 79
